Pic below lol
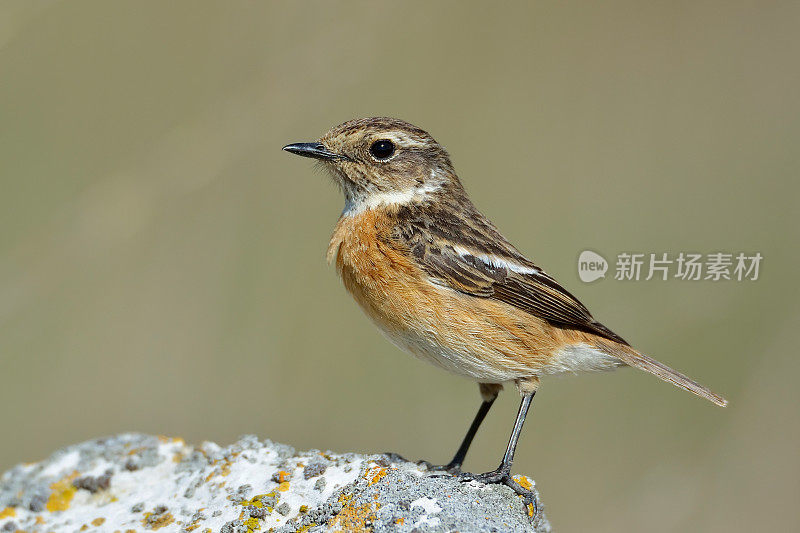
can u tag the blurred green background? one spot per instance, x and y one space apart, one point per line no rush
162 261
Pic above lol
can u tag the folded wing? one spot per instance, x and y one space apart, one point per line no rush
469 255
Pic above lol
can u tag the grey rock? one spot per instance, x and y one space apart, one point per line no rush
141 482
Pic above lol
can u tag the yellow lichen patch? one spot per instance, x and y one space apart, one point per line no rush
256 502
252 524
354 518
282 476
62 494
400 521
303 509
524 482
283 487
8 512
39 520
157 521
84 527
98 521
531 509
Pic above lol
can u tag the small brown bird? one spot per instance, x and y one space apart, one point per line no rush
443 284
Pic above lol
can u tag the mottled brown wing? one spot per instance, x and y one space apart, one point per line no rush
466 253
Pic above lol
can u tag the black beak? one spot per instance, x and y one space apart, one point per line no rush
315 150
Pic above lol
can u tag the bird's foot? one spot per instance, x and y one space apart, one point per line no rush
499 476
451 469
502 476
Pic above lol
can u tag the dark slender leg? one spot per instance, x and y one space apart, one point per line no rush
454 466
508 457
458 458
503 472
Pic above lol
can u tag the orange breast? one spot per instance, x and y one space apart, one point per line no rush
383 281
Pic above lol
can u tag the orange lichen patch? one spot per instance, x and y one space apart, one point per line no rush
524 482
223 470
283 487
157 521
282 476
98 521
375 475
354 518
62 494
8 512
400 521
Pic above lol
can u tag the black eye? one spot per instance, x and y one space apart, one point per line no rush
383 149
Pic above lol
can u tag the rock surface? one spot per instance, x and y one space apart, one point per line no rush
135 482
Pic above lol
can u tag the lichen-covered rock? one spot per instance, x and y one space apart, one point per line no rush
137 482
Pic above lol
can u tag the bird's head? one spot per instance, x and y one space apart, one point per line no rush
381 161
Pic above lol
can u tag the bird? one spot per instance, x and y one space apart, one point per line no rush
442 283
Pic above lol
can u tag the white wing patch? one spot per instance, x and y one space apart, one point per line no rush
496 262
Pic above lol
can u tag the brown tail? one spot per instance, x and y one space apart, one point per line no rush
633 358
